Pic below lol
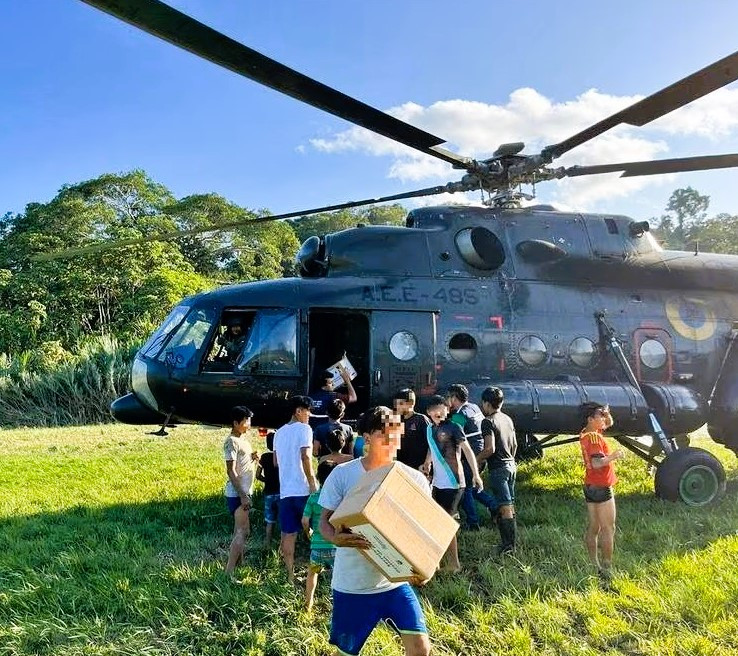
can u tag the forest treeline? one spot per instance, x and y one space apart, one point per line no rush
55 307
69 327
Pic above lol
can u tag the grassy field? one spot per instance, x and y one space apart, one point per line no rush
113 542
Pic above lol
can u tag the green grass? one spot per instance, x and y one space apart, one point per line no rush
113 542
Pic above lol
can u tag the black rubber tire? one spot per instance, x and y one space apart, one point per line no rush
693 476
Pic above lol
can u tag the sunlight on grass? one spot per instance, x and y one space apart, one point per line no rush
113 542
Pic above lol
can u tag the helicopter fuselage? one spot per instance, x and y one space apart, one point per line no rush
470 295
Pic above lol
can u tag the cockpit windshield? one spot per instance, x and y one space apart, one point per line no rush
272 344
188 338
156 341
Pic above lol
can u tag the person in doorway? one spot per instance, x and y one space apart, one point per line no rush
268 474
447 443
322 552
335 410
326 394
414 449
239 464
500 447
293 445
362 595
599 479
469 417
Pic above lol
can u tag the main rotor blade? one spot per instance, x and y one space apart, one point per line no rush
168 236
177 28
655 167
662 102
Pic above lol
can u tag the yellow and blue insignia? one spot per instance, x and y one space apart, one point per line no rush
691 317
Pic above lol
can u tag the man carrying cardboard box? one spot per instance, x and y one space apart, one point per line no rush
362 595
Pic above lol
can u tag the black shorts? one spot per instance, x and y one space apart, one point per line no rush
597 493
448 499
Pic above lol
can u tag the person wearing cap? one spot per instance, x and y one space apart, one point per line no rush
500 447
293 444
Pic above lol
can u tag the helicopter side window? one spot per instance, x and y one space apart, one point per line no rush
271 348
188 339
156 341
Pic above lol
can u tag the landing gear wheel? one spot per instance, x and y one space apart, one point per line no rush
691 475
529 447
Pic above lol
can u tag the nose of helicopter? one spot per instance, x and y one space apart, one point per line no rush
129 410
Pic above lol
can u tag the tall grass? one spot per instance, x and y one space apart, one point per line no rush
77 390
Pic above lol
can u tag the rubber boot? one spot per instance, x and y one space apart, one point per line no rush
508 531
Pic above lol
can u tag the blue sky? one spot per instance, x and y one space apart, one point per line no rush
83 94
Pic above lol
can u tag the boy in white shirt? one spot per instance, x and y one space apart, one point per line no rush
239 463
293 454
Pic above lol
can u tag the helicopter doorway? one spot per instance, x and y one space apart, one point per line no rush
331 334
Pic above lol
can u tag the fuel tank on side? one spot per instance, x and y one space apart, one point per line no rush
554 407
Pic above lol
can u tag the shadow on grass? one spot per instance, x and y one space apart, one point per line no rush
161 561
157 565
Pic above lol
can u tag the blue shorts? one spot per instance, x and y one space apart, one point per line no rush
321 558
502 484
233 503
290 514
355 616
271 507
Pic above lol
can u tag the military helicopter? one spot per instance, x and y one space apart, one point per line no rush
556 308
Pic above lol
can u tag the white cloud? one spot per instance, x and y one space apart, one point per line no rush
476 129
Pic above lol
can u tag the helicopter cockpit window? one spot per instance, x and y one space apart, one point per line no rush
156 341
480 248
272 344
188 339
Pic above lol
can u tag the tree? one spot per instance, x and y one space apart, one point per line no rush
327 222
92 294
685 211
718 234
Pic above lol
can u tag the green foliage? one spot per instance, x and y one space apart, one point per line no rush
322 224
49 386
685 225
129 558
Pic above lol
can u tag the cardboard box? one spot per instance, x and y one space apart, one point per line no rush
407 529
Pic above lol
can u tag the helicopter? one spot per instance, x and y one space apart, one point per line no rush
556 308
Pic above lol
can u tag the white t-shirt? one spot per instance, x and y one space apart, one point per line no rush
352 572
288 441
239 450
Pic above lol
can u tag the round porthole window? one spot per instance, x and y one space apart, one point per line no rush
532 350
582 351
652 354
403 345
462 347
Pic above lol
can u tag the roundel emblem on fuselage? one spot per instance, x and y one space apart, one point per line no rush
691 318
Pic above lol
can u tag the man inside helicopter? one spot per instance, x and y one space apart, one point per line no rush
231 342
